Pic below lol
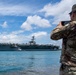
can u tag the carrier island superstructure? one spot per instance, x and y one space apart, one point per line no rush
31 46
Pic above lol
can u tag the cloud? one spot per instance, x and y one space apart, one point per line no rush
13 9
10 38
35 20
18 32
58 10
15 37
4 25
39 34
26 26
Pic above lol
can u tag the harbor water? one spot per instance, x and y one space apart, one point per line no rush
29 62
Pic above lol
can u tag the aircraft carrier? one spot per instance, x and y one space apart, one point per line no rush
31 46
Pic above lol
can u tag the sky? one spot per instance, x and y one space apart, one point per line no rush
22 19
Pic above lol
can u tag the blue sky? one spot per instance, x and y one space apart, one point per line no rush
22 19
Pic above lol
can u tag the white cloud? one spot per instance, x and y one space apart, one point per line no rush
35 20
4 25
39 34
11 38
26 26
58 10
17 32
15 37
12 9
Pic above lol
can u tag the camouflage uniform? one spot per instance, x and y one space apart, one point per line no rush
68 54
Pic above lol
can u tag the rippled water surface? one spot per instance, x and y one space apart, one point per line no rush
29 62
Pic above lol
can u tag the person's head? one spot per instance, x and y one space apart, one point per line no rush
73 13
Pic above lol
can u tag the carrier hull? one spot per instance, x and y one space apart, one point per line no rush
20 47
